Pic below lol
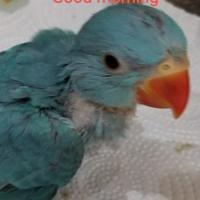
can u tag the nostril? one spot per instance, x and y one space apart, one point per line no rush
165 67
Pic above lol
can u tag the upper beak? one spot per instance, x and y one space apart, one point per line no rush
168 87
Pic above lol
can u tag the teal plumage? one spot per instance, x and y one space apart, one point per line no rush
56 94
39 148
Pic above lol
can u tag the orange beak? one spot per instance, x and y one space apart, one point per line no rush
168 87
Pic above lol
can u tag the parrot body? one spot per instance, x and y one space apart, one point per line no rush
60 91
35 150
38 137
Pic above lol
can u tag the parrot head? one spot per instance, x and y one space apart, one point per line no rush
129 54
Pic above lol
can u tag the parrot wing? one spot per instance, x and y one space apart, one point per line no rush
37 147
31 71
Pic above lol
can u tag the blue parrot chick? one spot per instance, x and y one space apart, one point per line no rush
61 91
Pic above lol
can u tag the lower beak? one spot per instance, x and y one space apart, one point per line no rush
166 90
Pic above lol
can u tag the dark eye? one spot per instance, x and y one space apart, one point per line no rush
111 62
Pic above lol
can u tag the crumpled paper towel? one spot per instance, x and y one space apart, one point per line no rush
159 159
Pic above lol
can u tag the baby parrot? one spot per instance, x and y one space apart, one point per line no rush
62 90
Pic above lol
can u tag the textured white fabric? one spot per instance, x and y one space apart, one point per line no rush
160 157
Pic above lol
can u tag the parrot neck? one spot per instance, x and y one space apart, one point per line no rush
95 121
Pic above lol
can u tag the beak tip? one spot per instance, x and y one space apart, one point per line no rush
177 115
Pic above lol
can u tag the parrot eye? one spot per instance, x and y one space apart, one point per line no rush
111 62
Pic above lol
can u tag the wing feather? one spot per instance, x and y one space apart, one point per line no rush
37 148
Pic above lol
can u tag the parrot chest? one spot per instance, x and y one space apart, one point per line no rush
98 122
